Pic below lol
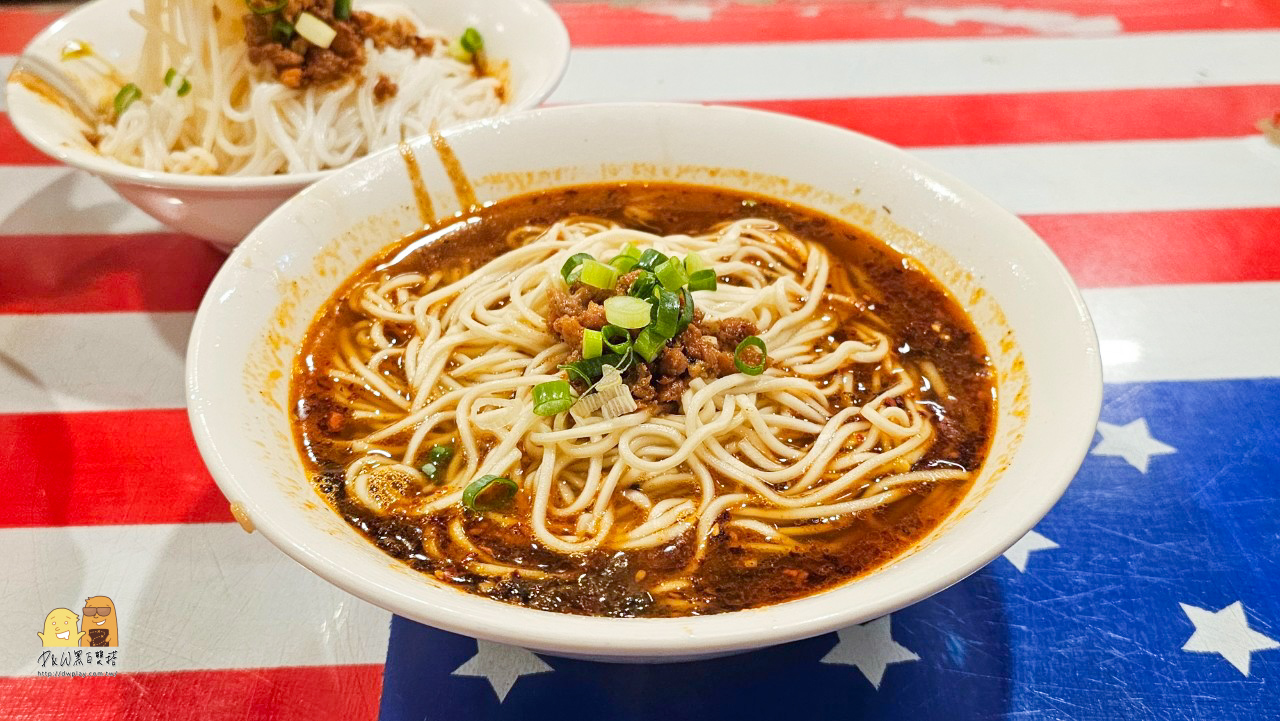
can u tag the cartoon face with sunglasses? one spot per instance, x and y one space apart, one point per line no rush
99 622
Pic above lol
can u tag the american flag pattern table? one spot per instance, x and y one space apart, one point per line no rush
1123 132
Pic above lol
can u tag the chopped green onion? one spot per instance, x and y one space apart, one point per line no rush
686 310
592 343
266 9
643 285
572 267
431 471
751 341
489 493
598 275
666 315
314 30
552 397
629 251
702 280
342 9
440 454
627 312
671 274
650 259
471 41
182 89
648 344
624 263
694 263
282 32
589 370
616 339
125 98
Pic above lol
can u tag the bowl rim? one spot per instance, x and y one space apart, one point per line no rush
118 171
603 638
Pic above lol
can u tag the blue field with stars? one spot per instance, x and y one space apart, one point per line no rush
1152 591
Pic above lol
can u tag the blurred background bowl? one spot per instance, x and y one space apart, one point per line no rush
527 34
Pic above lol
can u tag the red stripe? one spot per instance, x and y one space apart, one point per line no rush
1193 246
1045 117
308 693
600 23
15 150
104 468
97 273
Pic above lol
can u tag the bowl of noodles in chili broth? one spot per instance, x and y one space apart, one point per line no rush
701 380
208 115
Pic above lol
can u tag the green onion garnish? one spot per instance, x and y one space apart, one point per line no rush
342 9
440 454
437 462
627 312
282 32
552 397
266 9
125 98
182 89
471 41
702 280
666 315
672 274
751 341
694 263
643 285
686 310
650 259
597 274
572 267
616 339
648 344
592 343
589 370
624 263
489 493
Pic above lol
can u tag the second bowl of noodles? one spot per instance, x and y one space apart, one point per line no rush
208 115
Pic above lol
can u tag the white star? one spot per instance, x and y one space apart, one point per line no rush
502 665
1018 552
1132 442
1226 633
871 648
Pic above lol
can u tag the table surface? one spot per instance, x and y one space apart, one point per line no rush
1123 132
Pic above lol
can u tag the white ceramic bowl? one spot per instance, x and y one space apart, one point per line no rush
527 34
1020 297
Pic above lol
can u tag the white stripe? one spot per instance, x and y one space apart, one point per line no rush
122 361
1031 178
193 596
1187 332
1119 176
920 67
45 200
92 361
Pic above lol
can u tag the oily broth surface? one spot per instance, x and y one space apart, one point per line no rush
922 319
